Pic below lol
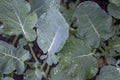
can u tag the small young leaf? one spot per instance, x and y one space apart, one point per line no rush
68 13
114 10
114 47
41 6
33 75
22 42
12 58
116 2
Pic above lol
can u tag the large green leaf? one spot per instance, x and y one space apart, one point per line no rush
52 33
7 78
109 73
94 23
116 2
114 10
76 62
41 6
12 58
16 18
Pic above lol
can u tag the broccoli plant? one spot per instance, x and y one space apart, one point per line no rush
59 40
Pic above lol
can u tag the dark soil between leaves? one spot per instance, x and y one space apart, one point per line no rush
102 3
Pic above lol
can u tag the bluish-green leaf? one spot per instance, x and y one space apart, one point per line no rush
114 47
22 42
14 14
116 2
76 62
114 10
41 6
7 78
94 23
12 58
52 32
33 75
108 73
68 13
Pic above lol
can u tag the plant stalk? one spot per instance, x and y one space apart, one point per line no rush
101 50
47 70
15 39
42 66
33 54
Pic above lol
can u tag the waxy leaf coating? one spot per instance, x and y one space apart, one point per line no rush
14 14
76 62
52 32
12 58
94 23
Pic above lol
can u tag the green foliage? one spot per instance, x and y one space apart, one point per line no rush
7 78
45 23
33 75
40 6
94 23
50 32
109 73
77 62
114 8
12 58
16 18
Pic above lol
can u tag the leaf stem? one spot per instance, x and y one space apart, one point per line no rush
42 66
41 69
101 50
94 50
47 70
15 39
33 54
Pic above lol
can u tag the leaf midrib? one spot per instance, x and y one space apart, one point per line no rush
53 40
5 54
92 25
20 22
116 45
